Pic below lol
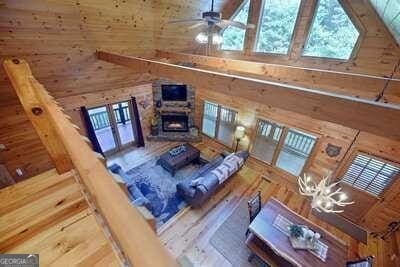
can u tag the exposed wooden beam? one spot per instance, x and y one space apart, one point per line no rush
128 228
38 115
357 85
378 118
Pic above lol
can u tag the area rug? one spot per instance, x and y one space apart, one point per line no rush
159 187
230 239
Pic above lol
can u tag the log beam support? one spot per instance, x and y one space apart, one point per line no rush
365 115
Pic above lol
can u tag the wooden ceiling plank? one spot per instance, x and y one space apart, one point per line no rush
357 85
365 115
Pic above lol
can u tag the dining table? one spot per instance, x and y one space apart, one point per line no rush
270 241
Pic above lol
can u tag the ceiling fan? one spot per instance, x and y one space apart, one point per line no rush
212 22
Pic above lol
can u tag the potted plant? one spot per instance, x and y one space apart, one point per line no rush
296 231
153 126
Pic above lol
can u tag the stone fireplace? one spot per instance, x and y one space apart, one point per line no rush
174 111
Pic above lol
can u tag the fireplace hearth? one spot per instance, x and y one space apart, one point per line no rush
175 122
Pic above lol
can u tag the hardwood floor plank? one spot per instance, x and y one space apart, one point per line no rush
50 216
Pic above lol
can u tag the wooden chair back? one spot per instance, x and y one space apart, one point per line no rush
254 206
365 262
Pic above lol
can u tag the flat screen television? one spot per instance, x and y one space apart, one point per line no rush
173 92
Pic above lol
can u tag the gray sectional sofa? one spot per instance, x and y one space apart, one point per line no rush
198 188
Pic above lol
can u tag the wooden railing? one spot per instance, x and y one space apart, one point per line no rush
100 119
131 232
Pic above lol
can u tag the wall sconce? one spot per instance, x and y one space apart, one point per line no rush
239 134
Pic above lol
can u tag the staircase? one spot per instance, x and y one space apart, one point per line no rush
48 215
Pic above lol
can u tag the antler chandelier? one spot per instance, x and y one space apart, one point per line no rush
324 197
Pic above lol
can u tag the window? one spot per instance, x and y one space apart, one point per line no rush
332 33
226 127
295 151
266 140
276 26
210 113
219 122
370 174
291 155
233 37
389 11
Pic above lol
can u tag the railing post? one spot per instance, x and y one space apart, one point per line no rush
38 115
128 227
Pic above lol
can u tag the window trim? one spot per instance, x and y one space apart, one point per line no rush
285 129
216 119
217 122
258 28
353 18
348 163
253 137
245 31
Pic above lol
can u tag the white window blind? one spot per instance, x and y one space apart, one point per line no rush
370 174
210 113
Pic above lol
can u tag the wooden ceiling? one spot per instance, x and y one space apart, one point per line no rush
59 38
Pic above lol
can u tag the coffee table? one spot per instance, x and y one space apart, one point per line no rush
173 163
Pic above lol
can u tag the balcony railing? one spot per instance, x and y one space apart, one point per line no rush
100 120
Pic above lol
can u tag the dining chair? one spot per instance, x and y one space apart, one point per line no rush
365 262
254 206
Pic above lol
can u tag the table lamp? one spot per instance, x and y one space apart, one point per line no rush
239 134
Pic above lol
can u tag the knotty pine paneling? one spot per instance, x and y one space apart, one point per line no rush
58 38
248 112
320 164
377 54
144 99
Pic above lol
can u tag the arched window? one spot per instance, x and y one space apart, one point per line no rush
332 33
233 37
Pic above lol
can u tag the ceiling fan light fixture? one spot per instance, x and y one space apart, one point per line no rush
202 38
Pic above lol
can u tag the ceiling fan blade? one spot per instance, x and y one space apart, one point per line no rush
226 23
185 21
197 25
212 20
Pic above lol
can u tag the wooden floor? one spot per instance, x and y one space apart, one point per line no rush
190 234
48 215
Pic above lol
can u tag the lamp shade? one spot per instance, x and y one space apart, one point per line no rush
239 132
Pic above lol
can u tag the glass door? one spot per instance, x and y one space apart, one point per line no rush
125 132
103 128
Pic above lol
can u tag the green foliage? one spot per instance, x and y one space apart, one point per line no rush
277 26
332 33
296 231
233 38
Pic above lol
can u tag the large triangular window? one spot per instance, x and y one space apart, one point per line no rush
389 11
277 22
332 33
233 37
